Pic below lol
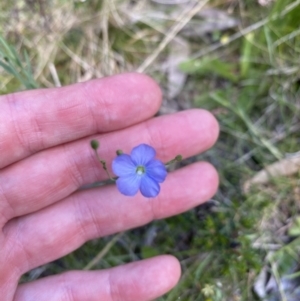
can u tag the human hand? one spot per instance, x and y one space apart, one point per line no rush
45 158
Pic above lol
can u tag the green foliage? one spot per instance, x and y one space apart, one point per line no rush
211 66
19 68
246 55
294 230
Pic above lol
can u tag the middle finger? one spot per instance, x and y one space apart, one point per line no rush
53 174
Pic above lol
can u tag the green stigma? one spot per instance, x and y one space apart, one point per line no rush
140 170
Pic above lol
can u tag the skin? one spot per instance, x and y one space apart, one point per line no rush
45 159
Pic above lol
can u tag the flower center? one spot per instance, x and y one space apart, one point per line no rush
140 170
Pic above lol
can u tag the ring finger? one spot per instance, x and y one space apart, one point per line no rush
88 214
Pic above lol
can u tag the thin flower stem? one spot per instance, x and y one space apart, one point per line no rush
178 158
95 145
103 163
103 252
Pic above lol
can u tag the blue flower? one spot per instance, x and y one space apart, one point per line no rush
139 171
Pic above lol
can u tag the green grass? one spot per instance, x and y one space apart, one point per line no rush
251 84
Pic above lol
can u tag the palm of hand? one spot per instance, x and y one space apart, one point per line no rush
45 158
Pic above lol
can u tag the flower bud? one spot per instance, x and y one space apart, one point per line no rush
119 152
94 144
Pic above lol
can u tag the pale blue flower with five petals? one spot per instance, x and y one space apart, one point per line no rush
139 171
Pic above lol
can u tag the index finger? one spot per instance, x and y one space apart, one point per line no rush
39 119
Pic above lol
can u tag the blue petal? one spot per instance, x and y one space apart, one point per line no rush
123 166
149 187
142 154
129 185
156 170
